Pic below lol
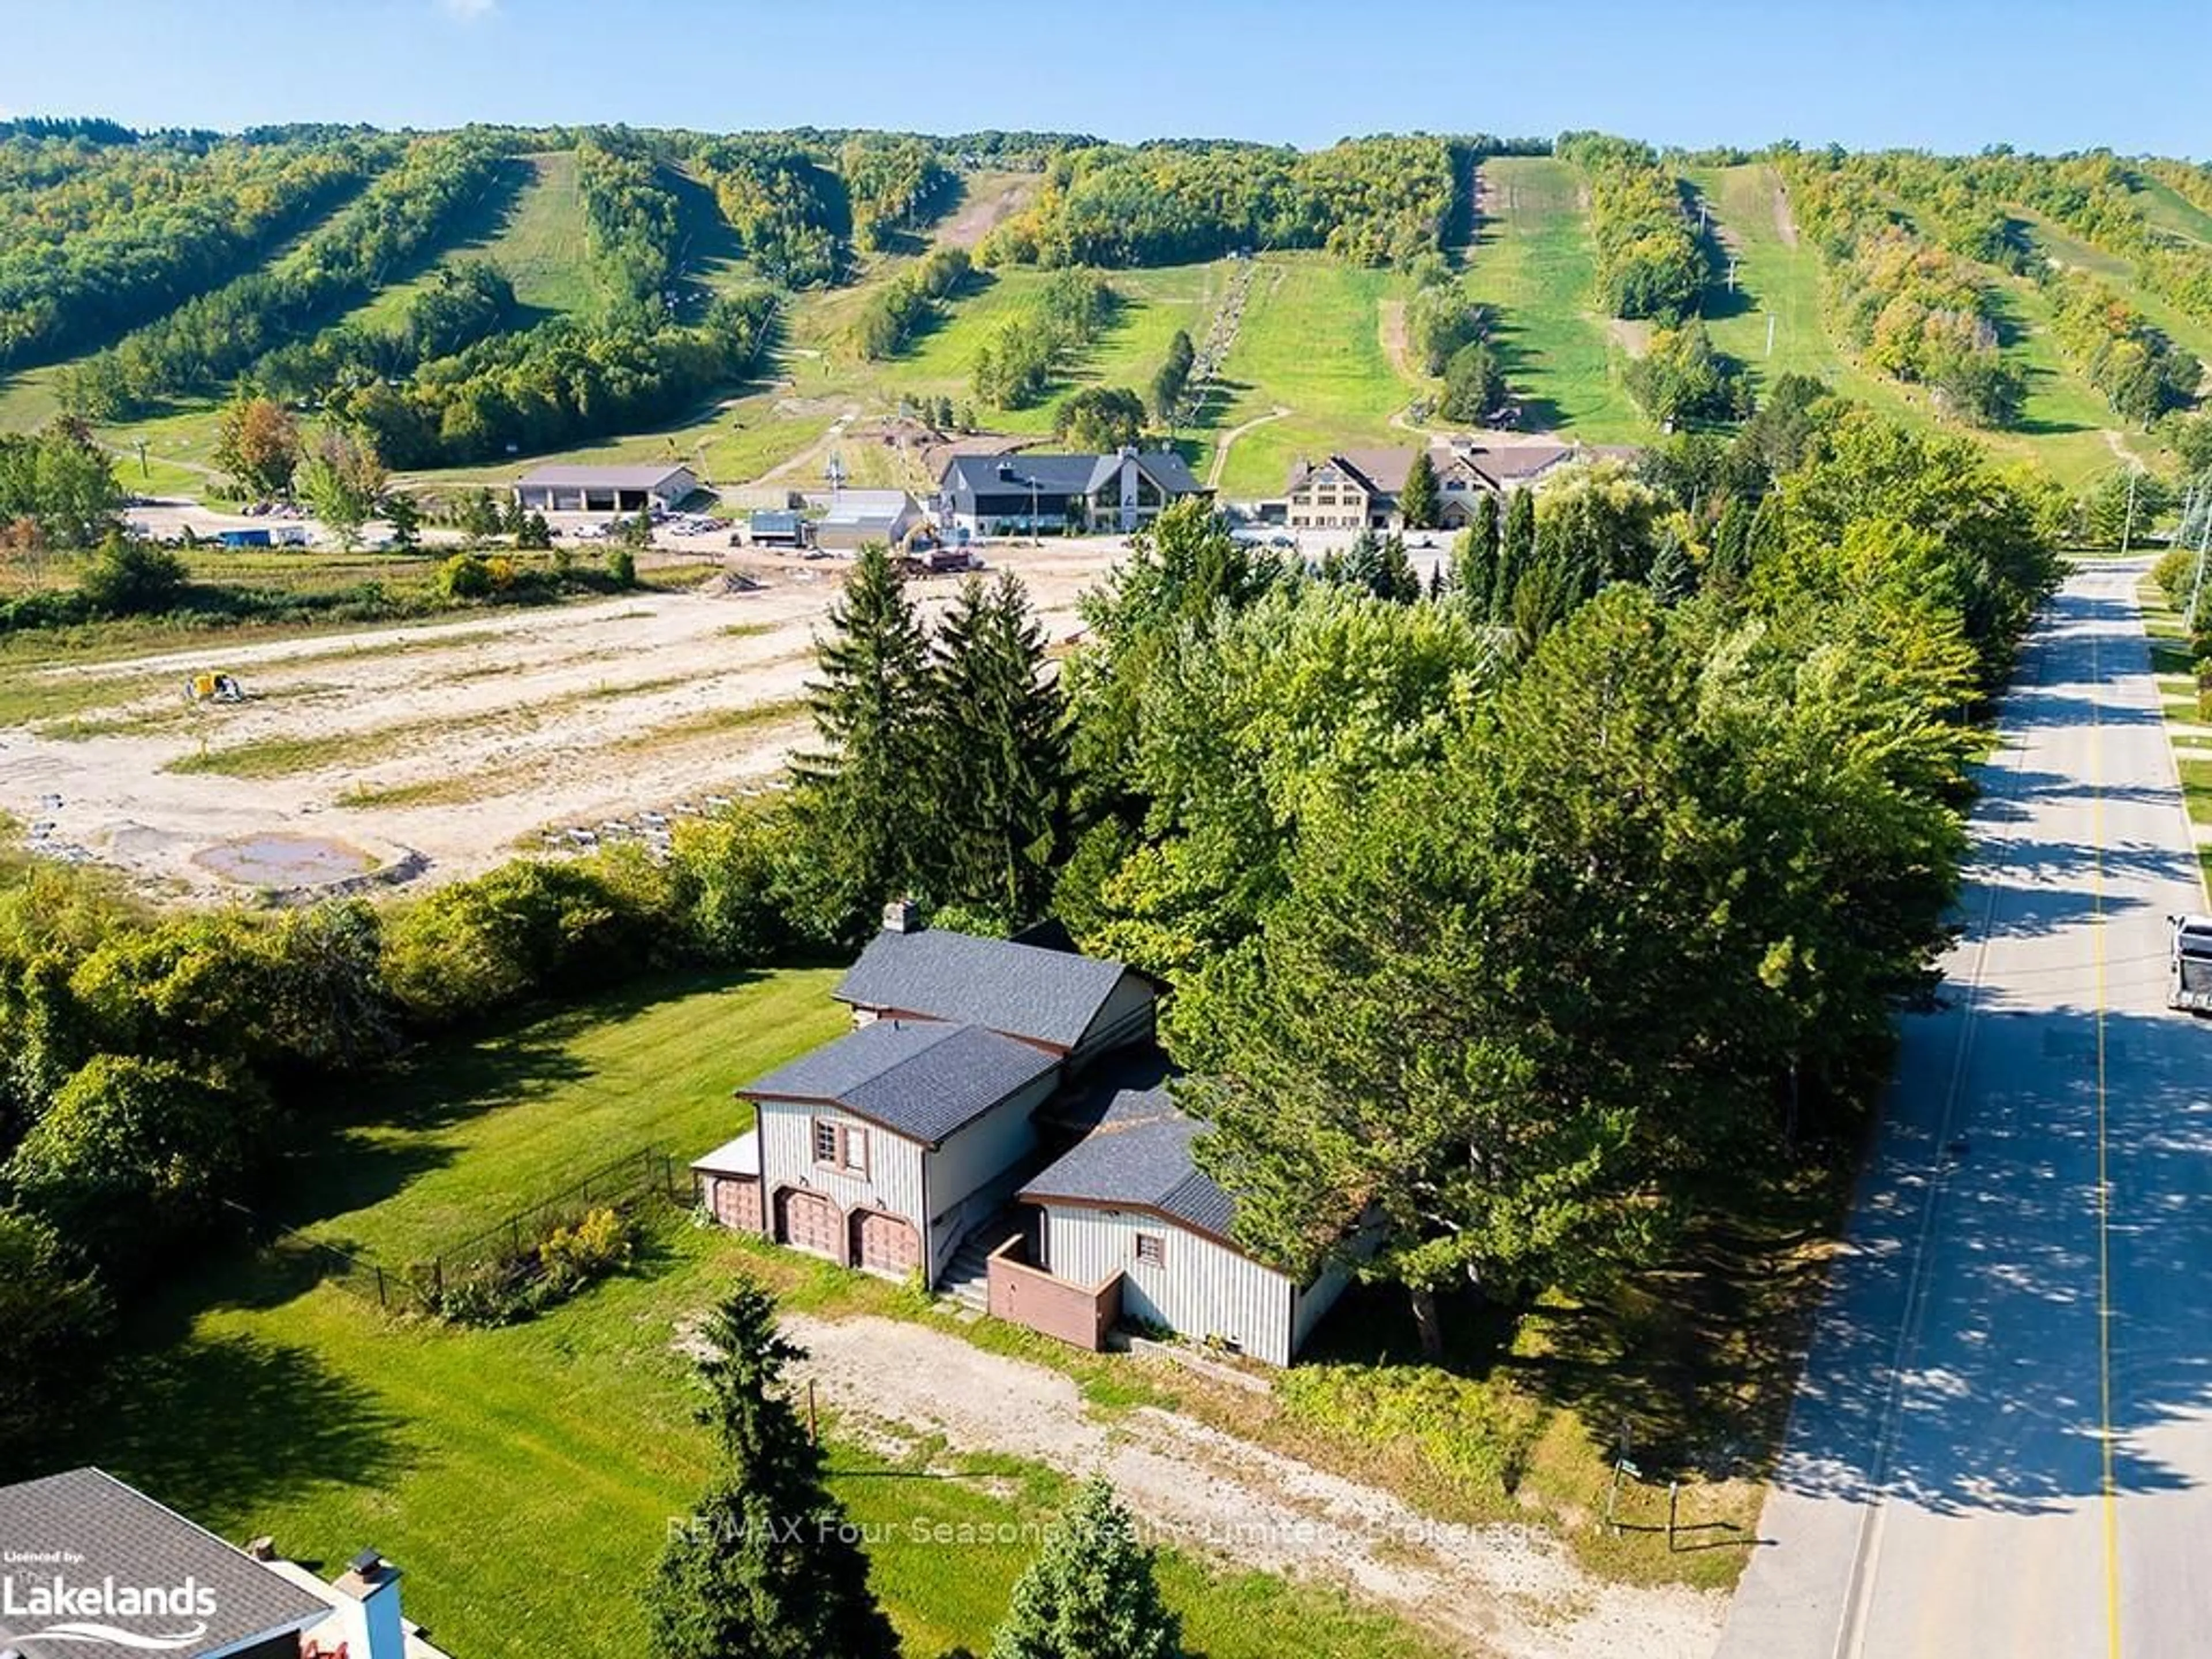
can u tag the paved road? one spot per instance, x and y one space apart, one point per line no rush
2003 1443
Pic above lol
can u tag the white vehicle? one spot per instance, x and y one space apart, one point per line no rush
2189 978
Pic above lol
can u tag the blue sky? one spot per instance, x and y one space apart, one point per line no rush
1947 75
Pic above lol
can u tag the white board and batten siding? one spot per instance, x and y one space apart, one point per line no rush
892 1184
977 1169
1201 1289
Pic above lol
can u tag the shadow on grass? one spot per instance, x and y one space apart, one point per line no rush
218 1425
347 1157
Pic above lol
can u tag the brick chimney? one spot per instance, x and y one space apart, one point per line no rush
902 916
368 1608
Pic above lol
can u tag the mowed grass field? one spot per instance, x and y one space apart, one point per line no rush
1778 276
1533 263
1310 341
526 1478
532 228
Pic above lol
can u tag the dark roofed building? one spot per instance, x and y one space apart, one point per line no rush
1002 494
1074 1006
1127 1206
920 1079
174 1584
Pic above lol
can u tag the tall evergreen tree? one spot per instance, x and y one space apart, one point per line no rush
1091 1595
766 1569
1418 503
1001 757
860 795
1395 580
1516 553
1672 578
1474 558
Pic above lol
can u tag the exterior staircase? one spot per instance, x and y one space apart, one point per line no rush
967 1278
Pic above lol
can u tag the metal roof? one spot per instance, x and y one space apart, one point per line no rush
1140 1158
1022 990
86 1527
610 477
924 1079
740 1156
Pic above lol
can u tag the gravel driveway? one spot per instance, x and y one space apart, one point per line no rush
1502 1592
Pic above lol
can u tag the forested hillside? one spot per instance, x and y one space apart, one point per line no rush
459 298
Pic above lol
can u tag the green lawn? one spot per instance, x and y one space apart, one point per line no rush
525 1478
533 230
2169 210
1532 261
2064 419
1310 341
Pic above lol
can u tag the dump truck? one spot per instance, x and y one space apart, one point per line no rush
2189 970
213 688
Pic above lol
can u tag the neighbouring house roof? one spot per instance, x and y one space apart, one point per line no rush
966 476
740 1156
925 1079
1022 990
115 1531
1137 1156
604 478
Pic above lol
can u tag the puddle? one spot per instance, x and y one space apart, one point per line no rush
285 860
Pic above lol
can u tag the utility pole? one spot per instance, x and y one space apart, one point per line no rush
2196 585
1731 273
1770 334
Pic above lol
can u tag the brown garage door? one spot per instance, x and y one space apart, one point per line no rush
885 1244
807 1221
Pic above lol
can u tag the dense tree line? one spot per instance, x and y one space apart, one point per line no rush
95 238
1681 377
2141 373
401 218
896 182
1649 261
902 307
1015 365
1914 309
1375 201
630 218
790 209
559 384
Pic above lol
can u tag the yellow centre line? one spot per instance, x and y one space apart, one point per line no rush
2104 1180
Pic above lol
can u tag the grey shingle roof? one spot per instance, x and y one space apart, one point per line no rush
921 1079
1139 1156
1022 990
120 1532
967 476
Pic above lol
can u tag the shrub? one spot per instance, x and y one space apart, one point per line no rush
621 566
601 1244
524 929
1477 1432
464 577
131 579
2173 573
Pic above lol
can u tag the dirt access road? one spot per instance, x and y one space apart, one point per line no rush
459 741
1497 1592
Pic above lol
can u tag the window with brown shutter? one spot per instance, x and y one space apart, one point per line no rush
1151 1249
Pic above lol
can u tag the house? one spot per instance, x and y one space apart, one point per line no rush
1074 1007
605 489
1127 1207
1359 489
96 1567
997 1123
1023 494
884 1149
854 516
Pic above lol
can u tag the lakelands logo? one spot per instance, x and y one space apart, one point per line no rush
87 1613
